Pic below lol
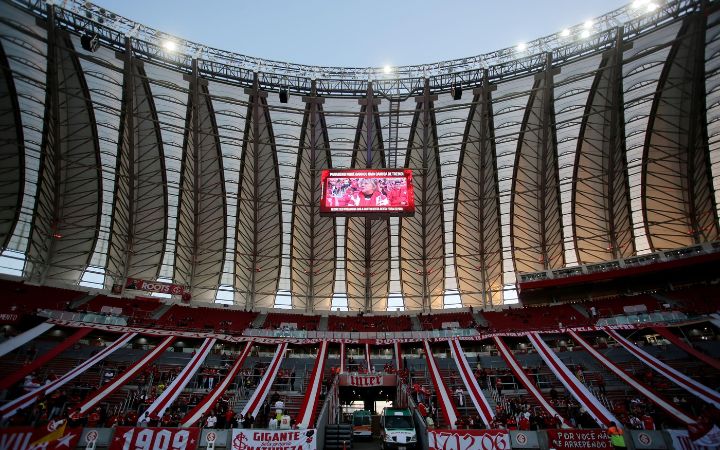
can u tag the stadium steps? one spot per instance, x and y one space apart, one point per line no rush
416 325
259 321
323 323
581 309
158 313
480 319
78 302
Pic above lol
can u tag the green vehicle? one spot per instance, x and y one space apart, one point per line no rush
397 429
362 424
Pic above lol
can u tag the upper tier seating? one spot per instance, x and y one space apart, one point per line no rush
370 323
274 321
207 318
435 321
546 317
20 298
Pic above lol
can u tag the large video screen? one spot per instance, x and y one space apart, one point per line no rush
358 192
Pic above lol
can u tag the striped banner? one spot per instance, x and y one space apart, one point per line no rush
698 389
342 357
640 387
447 406
306 416
476 394
172 392
682 345
522 376
209 401
368 364
9 409
578 390
398 356
122 379
258 397
22 339
43 359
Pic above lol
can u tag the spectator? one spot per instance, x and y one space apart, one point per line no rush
211 420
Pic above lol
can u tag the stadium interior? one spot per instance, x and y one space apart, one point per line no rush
166 264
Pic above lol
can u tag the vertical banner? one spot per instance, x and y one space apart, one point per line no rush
149 438
172 392
368 364
471 385
640 387
9 409
306 415
258 396
342 357
212 397
469 440
122 379
398 356
445 402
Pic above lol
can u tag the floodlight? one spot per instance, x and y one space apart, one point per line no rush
565 32
521 47
169 45
588 24
585 34
387 69
652 7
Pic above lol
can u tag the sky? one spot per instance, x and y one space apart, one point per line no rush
360 34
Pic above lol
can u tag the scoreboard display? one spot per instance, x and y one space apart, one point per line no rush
367 192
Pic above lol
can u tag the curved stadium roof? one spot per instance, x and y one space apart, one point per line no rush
184 166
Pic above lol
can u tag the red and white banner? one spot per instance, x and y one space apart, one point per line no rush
368 363
367 379
468 440
640 387
574 439
122 379
273 439
398 356
342 357
445 401
677 342
258 396
22 339
592 405
522 376
306 415
173 391
9 409
699 390
148 438
52 437
137 284
209 401
43 359
471 385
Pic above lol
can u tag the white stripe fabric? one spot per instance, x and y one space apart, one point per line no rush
312 395
398 356
578 390
471 385
9 409
22 339
367 358
211 398
698 389
670 409
172 392
258 397
123 378
342 357
522 376
448 407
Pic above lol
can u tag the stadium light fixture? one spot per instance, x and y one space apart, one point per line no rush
565 32
521 47
585 34
169 45
387 70
651 7
637 4
588 24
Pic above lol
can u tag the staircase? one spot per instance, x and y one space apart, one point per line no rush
158 313
480 319
82 300
416 325
259 321
323 323
338 437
